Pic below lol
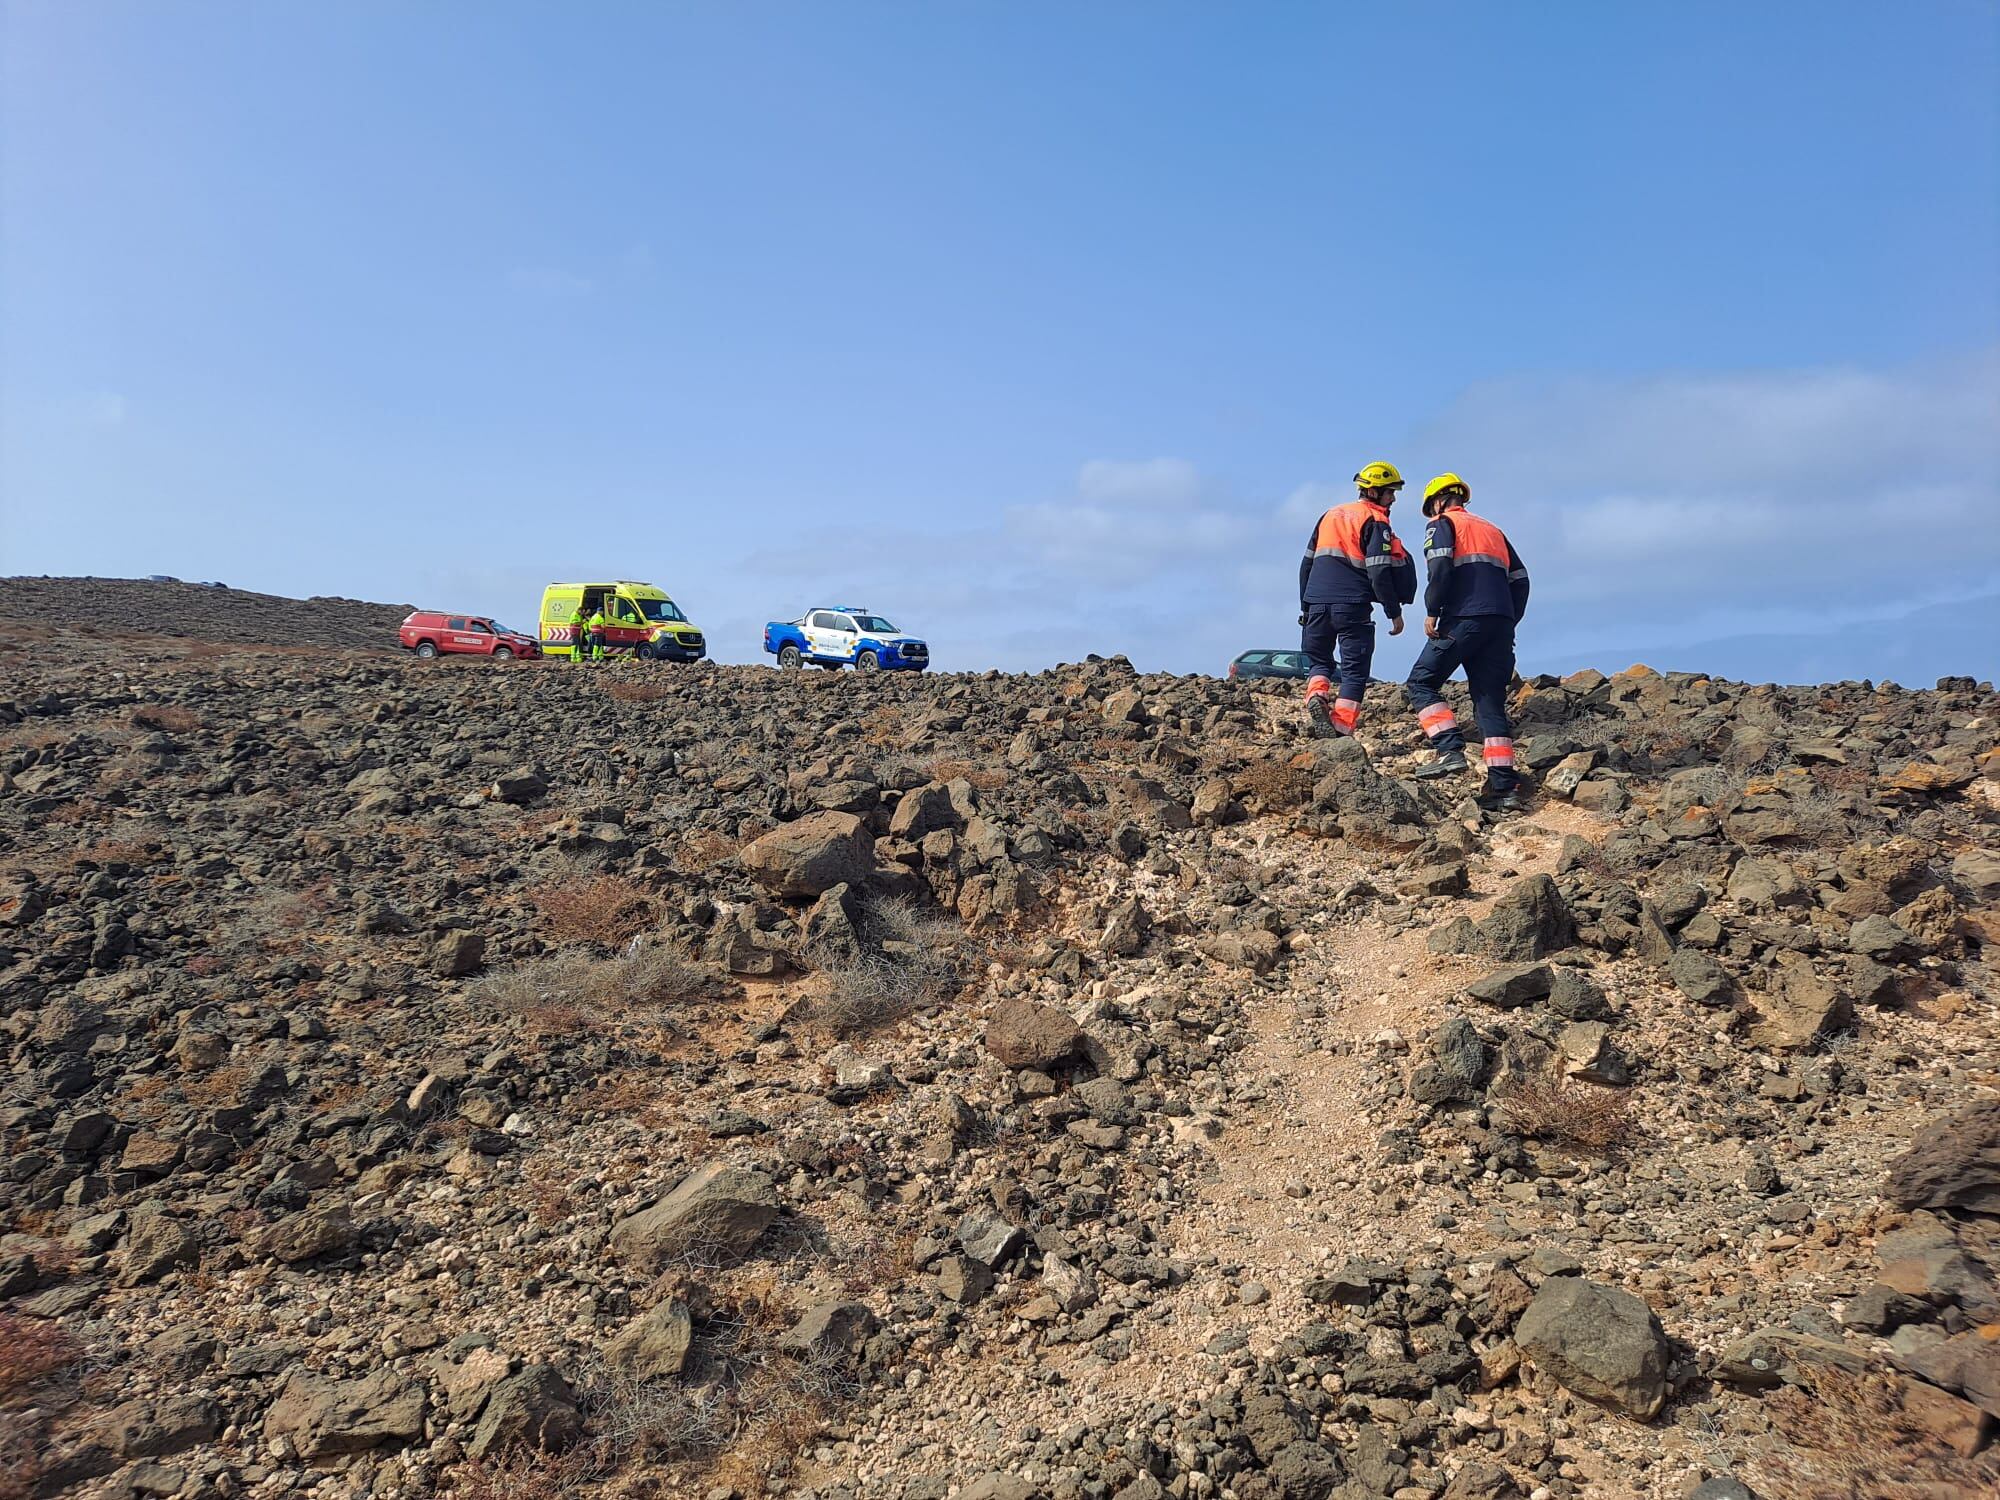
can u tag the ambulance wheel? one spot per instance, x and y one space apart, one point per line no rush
867 661
426 650
789 658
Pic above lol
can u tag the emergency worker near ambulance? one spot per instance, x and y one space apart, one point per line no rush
1477 592
1353 562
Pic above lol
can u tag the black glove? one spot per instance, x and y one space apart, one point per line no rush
1302 621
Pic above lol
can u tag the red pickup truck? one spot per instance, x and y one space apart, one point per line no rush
429 632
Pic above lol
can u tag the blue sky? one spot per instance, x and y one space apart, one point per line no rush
1041 328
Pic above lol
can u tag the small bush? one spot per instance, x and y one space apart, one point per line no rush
637 690
877 989
570 991
525 1474
170 717
1593 1119
1852 1439
707 847
599 909
33 1350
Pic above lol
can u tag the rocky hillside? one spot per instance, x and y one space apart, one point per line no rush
109 608
542 1080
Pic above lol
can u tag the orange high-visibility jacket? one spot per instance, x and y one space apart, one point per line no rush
1354 558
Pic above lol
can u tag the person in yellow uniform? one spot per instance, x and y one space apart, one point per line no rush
579 633
597 636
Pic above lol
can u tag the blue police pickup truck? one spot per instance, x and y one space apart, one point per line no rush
842 635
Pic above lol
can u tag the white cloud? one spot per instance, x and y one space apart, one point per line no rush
1673 508
1157 482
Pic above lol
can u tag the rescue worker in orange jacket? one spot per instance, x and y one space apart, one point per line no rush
1476 594
1353 562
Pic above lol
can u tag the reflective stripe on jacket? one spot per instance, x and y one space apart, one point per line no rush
1353 557
1473 568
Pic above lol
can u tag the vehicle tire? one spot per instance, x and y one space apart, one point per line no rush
789 658
426 649
503 653
867 661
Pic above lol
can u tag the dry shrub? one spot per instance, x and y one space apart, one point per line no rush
571 991
707 847
985 779
876 989
107 852
1275 784
525 1474
1852 1439
170 717
1591 1119
637 690
33 1350
600 909
749 1407
224 1083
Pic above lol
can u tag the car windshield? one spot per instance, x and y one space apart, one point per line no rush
499 629
661 609
874 623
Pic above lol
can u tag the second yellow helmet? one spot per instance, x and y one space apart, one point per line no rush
1447 482
1378 476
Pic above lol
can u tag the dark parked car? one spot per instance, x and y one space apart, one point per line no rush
1269 664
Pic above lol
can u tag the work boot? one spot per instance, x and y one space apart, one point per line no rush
1319 717
1509 801
1448 763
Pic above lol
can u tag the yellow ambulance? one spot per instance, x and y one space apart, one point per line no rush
639 620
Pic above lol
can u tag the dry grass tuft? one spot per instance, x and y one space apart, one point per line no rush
1853 1438
1275 784
637 690
33 1350
877 989
707 847
983 778
526 1474
170 717
1591 1119
600 909
571 991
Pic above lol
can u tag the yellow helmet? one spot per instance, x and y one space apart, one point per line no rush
1379 476
1446 482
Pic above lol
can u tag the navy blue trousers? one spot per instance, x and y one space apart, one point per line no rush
1484 646
1345 632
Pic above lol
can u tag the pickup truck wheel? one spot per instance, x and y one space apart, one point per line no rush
867 661
427 649
789 658
503 653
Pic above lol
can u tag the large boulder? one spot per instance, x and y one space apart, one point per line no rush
1024 1034
1599 1341
654 1346
1952 1163
830 1330
533 1409
322 1418
1798 1008
716 1214
813 854
1530 920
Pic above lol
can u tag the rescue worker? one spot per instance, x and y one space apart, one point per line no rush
1477 592
579 633
597 635
1353 562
